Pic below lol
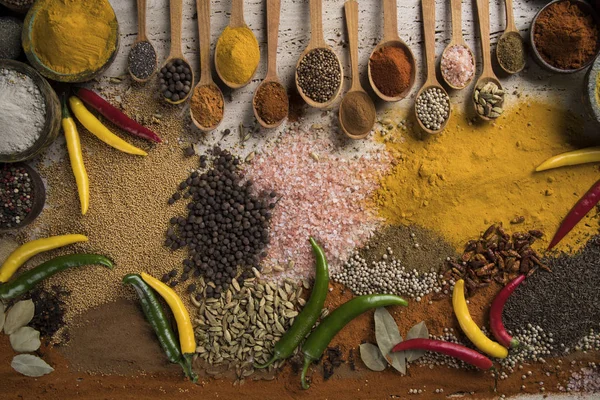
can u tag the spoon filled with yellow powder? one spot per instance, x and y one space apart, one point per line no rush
237 53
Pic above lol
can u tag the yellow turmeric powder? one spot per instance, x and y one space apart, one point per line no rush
237 55
459 182
73 36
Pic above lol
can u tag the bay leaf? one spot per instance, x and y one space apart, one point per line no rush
388 335
25 340
371 356
29 365
2 316
19 315
419 331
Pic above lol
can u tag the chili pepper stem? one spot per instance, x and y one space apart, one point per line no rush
514 343
307 362
265 365
186 365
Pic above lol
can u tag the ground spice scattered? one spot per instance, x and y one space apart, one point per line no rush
237 55
357 113
443 181
457 65
271 102
207 105
511 52
566 35
391 70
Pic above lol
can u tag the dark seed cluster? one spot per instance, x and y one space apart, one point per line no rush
319 74
16 195
226 229
175 80
142 60
49 310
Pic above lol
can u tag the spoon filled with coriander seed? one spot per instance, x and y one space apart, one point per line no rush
142 61
357 112
510 49
488 95
432 104
176 77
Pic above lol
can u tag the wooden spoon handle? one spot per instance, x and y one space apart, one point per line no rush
316 24
237 14
203 10
456 6
351 8
510 17
390 20
428 9
273 11
483 11
176 11
141 20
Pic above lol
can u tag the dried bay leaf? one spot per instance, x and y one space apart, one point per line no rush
371 357
388 335
419 331
19 315
29 365
25 340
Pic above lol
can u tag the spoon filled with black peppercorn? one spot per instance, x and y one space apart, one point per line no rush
176 77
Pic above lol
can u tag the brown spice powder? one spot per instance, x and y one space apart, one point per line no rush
357 113
207 105
391 70
271 102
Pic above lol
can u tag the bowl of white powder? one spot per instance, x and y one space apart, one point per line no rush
29 112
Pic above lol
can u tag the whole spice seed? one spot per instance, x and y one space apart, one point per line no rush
489 100
319 75
391 70
16 195
271 102
207 105
10 37
49 310
457 65
357 113
511 52
142 60
175 80
433 108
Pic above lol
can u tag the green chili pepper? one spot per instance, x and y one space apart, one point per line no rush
319 339
157 318
29 279
310 313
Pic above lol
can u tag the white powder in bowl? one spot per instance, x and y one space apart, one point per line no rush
22 112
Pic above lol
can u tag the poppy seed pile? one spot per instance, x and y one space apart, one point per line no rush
433 108
226 228
319 74
142 60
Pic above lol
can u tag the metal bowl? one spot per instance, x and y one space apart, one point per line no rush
53 115
45 70
591 96
39 199
19 9
538 57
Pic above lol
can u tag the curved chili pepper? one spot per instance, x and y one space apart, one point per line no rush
498 329
455 350
579 210
576 157
309 314
29 279
30 249
115 115
98 129
156 317
75 156
470 328
319 339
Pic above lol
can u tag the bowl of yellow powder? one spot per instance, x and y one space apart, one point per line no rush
71 40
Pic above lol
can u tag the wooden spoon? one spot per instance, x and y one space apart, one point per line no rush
176 11
141 37
511 29
391 39
487 75
457 39
317 42
428 9
356 90
236 20
203 11
273 11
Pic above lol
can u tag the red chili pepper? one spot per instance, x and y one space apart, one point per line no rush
115 115
450 349
498 329
579 210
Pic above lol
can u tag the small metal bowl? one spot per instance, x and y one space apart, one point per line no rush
591 96
36 62
53 116
39 197
19 9
538 57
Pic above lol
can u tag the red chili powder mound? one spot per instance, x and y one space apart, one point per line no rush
391 70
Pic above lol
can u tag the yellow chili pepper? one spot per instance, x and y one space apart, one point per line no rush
30 249
576 157
187 341
96 127
74 149
470 328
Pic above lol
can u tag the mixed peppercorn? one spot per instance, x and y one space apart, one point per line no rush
16 195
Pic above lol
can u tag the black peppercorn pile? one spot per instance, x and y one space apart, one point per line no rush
175 80
49 310
226 229
16 195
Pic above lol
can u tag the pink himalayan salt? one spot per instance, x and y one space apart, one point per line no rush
457 66
325 199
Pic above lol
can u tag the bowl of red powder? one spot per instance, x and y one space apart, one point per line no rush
565 37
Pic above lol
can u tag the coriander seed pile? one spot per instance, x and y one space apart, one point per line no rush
433 108
319 75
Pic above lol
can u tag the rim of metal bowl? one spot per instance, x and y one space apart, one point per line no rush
538 56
